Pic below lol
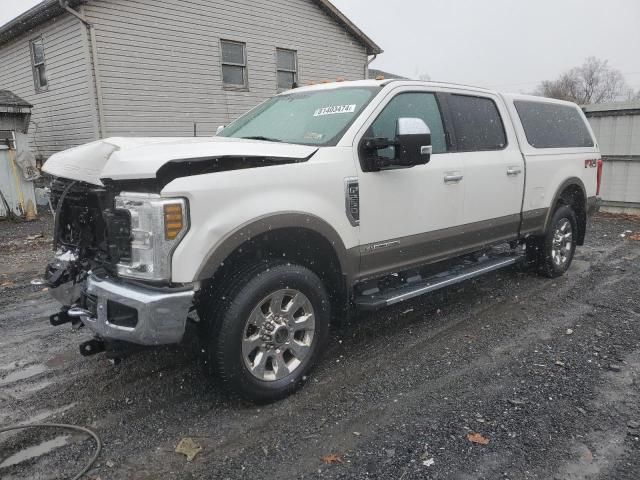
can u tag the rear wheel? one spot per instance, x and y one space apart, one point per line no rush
269 328
552 253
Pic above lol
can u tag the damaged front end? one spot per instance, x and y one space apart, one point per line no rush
111 270
89 235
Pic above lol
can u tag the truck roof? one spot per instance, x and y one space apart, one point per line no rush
423 83
380 83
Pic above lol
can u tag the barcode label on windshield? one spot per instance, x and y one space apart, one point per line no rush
335 109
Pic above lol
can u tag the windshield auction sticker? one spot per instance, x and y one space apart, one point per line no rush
335 109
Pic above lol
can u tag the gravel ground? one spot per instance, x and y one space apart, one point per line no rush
546 371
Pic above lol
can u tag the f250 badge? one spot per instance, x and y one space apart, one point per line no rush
379 246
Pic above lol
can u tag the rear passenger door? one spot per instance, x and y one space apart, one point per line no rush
492 167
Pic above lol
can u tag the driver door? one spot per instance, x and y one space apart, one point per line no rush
408 215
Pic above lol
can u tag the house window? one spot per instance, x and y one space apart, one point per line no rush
39 67
234 64
287 61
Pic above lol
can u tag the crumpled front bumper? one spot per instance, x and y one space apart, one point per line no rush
154 316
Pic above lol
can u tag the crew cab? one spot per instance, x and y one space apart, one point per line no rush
319 201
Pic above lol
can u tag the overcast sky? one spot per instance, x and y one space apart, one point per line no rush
504 44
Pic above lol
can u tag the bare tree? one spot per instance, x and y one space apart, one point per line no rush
593 82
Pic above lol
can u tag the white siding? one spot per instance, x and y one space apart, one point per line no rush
160 60
63 116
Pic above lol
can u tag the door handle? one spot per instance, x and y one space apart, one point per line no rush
512 171
453 178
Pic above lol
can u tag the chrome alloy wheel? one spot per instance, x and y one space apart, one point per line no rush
278 335
562 242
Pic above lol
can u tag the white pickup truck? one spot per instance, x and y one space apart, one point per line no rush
323 199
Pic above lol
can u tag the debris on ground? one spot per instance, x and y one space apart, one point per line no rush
429 462
189 448
332 459
475 437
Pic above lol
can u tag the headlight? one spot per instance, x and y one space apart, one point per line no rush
157 226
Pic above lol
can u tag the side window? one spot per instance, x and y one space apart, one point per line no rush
287 62
412 104
553 125
38 64
234 64
476 123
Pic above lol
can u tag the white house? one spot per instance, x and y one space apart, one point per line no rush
100 68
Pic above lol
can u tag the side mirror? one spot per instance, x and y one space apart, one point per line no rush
411 146
413 140
219 130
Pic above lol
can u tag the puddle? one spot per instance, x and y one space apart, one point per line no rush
23 374
11 365
22 392
36 451
48 413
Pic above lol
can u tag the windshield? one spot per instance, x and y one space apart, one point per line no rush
308 118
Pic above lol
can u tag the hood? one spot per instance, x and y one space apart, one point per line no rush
141 158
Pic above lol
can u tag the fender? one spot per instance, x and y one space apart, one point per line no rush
349 259
571 181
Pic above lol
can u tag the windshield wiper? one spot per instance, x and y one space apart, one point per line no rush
260 137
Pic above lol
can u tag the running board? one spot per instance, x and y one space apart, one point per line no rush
407 291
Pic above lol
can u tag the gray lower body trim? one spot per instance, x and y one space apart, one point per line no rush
403 253
533 221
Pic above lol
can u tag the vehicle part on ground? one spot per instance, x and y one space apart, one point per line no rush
290 308
64 426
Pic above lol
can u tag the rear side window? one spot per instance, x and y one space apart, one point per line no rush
477 123
550 125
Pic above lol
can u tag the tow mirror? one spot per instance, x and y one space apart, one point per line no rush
219 130
413 142
411 146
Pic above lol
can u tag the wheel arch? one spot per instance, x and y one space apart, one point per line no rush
302 238
571 192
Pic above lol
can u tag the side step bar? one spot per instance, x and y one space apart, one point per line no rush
407 291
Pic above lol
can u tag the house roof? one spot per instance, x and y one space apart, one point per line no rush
33 17
341 18
8 98
47 9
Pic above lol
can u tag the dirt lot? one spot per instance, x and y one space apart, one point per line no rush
548 371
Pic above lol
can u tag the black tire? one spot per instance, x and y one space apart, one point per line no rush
546 254
226 314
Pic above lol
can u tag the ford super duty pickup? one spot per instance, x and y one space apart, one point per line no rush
323 199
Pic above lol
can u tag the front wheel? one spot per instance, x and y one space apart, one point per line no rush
554 251
270 329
